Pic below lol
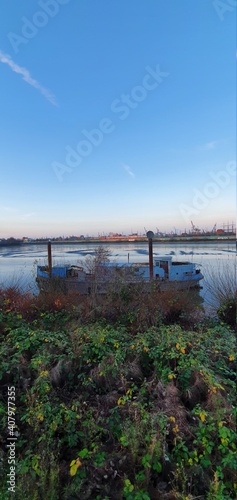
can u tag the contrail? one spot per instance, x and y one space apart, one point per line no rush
128 169
6 59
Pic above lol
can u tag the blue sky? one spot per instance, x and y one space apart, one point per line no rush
116 115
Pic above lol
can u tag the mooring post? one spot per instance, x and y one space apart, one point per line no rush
50 259
151 259
150 235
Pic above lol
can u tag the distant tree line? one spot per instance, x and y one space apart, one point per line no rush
10 241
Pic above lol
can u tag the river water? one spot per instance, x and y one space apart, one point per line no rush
18 263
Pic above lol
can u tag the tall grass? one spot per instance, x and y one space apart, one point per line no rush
222 291
18 281
221 282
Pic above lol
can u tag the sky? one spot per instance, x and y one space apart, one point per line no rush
116 116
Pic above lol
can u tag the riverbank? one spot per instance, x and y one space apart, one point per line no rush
133 399
139 239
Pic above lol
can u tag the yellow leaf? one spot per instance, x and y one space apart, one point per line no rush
202 416
74 465
121 401
175 429
172 419
73 470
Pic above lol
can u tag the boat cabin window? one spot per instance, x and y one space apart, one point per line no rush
72 273
164 265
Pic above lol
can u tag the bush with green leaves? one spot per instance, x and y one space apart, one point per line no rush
106 412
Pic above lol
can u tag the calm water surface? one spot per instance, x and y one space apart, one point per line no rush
18 264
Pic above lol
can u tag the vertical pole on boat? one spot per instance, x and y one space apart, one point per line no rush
50 259
150 235
150 259
128 258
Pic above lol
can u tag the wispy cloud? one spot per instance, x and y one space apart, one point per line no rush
128 169
8 209
28 215
210 145
6 59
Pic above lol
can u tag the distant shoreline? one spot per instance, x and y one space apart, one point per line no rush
108 241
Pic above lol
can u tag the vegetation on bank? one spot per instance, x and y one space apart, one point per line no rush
127 397
221 286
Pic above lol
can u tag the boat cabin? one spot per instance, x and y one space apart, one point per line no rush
165 269
174 270
65 271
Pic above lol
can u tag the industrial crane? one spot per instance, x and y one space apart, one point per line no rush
194 228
